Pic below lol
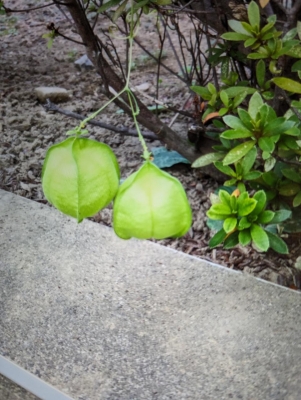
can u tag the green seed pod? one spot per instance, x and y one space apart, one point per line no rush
80 177
151 204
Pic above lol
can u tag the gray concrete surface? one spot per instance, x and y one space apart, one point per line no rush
105 319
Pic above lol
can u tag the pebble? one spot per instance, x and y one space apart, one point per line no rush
53 93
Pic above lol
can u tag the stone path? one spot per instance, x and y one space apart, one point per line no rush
105 319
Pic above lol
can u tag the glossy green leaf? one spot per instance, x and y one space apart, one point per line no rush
229 224
219 211
254 105
151 204
259 237
249 160
225 197
269 164
288 84
245 205
237 27
291 174
244 237
109 4
296 66
207 159
289 189
236 37
297 200
224 98
245 118
280 216
217 239
238 152
277 244
254 14
237 90
225 169
261 200
260 73
201 91
265 217
240 133
250 176
244 223
231 241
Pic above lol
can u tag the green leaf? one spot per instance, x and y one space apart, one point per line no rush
219 211
289 189
291 174
120 10
266 144
299 29
245 118
260 73
244 223
234 122
277 244
230 224
201 91
249 176
236 90
245 205
232 134
238 152
231 240
261 200
257 56
254 14
259 237
217 239
237 27
248 160
265 217
297 200
288 84
207 159
269 164
254 105
225 169
296 66
225 197
244 237
108 5
290 35
236 37
224 97
280 216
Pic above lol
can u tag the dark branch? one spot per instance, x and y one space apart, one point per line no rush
49 106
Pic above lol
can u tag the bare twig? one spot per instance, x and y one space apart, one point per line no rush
49 106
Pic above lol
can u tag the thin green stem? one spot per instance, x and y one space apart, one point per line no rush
132 100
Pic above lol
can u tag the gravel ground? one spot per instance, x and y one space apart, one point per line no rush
27 130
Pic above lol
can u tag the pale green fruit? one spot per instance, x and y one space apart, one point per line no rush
151 204
80 177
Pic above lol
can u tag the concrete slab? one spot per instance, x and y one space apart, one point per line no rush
105 319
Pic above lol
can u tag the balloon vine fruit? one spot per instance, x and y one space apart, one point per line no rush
151 204
80 177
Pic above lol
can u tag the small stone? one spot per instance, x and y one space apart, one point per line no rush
54 94
84 63
143 87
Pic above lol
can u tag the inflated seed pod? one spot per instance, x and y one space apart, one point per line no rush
151 204
80 177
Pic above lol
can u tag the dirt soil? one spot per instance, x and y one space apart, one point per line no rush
27 130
